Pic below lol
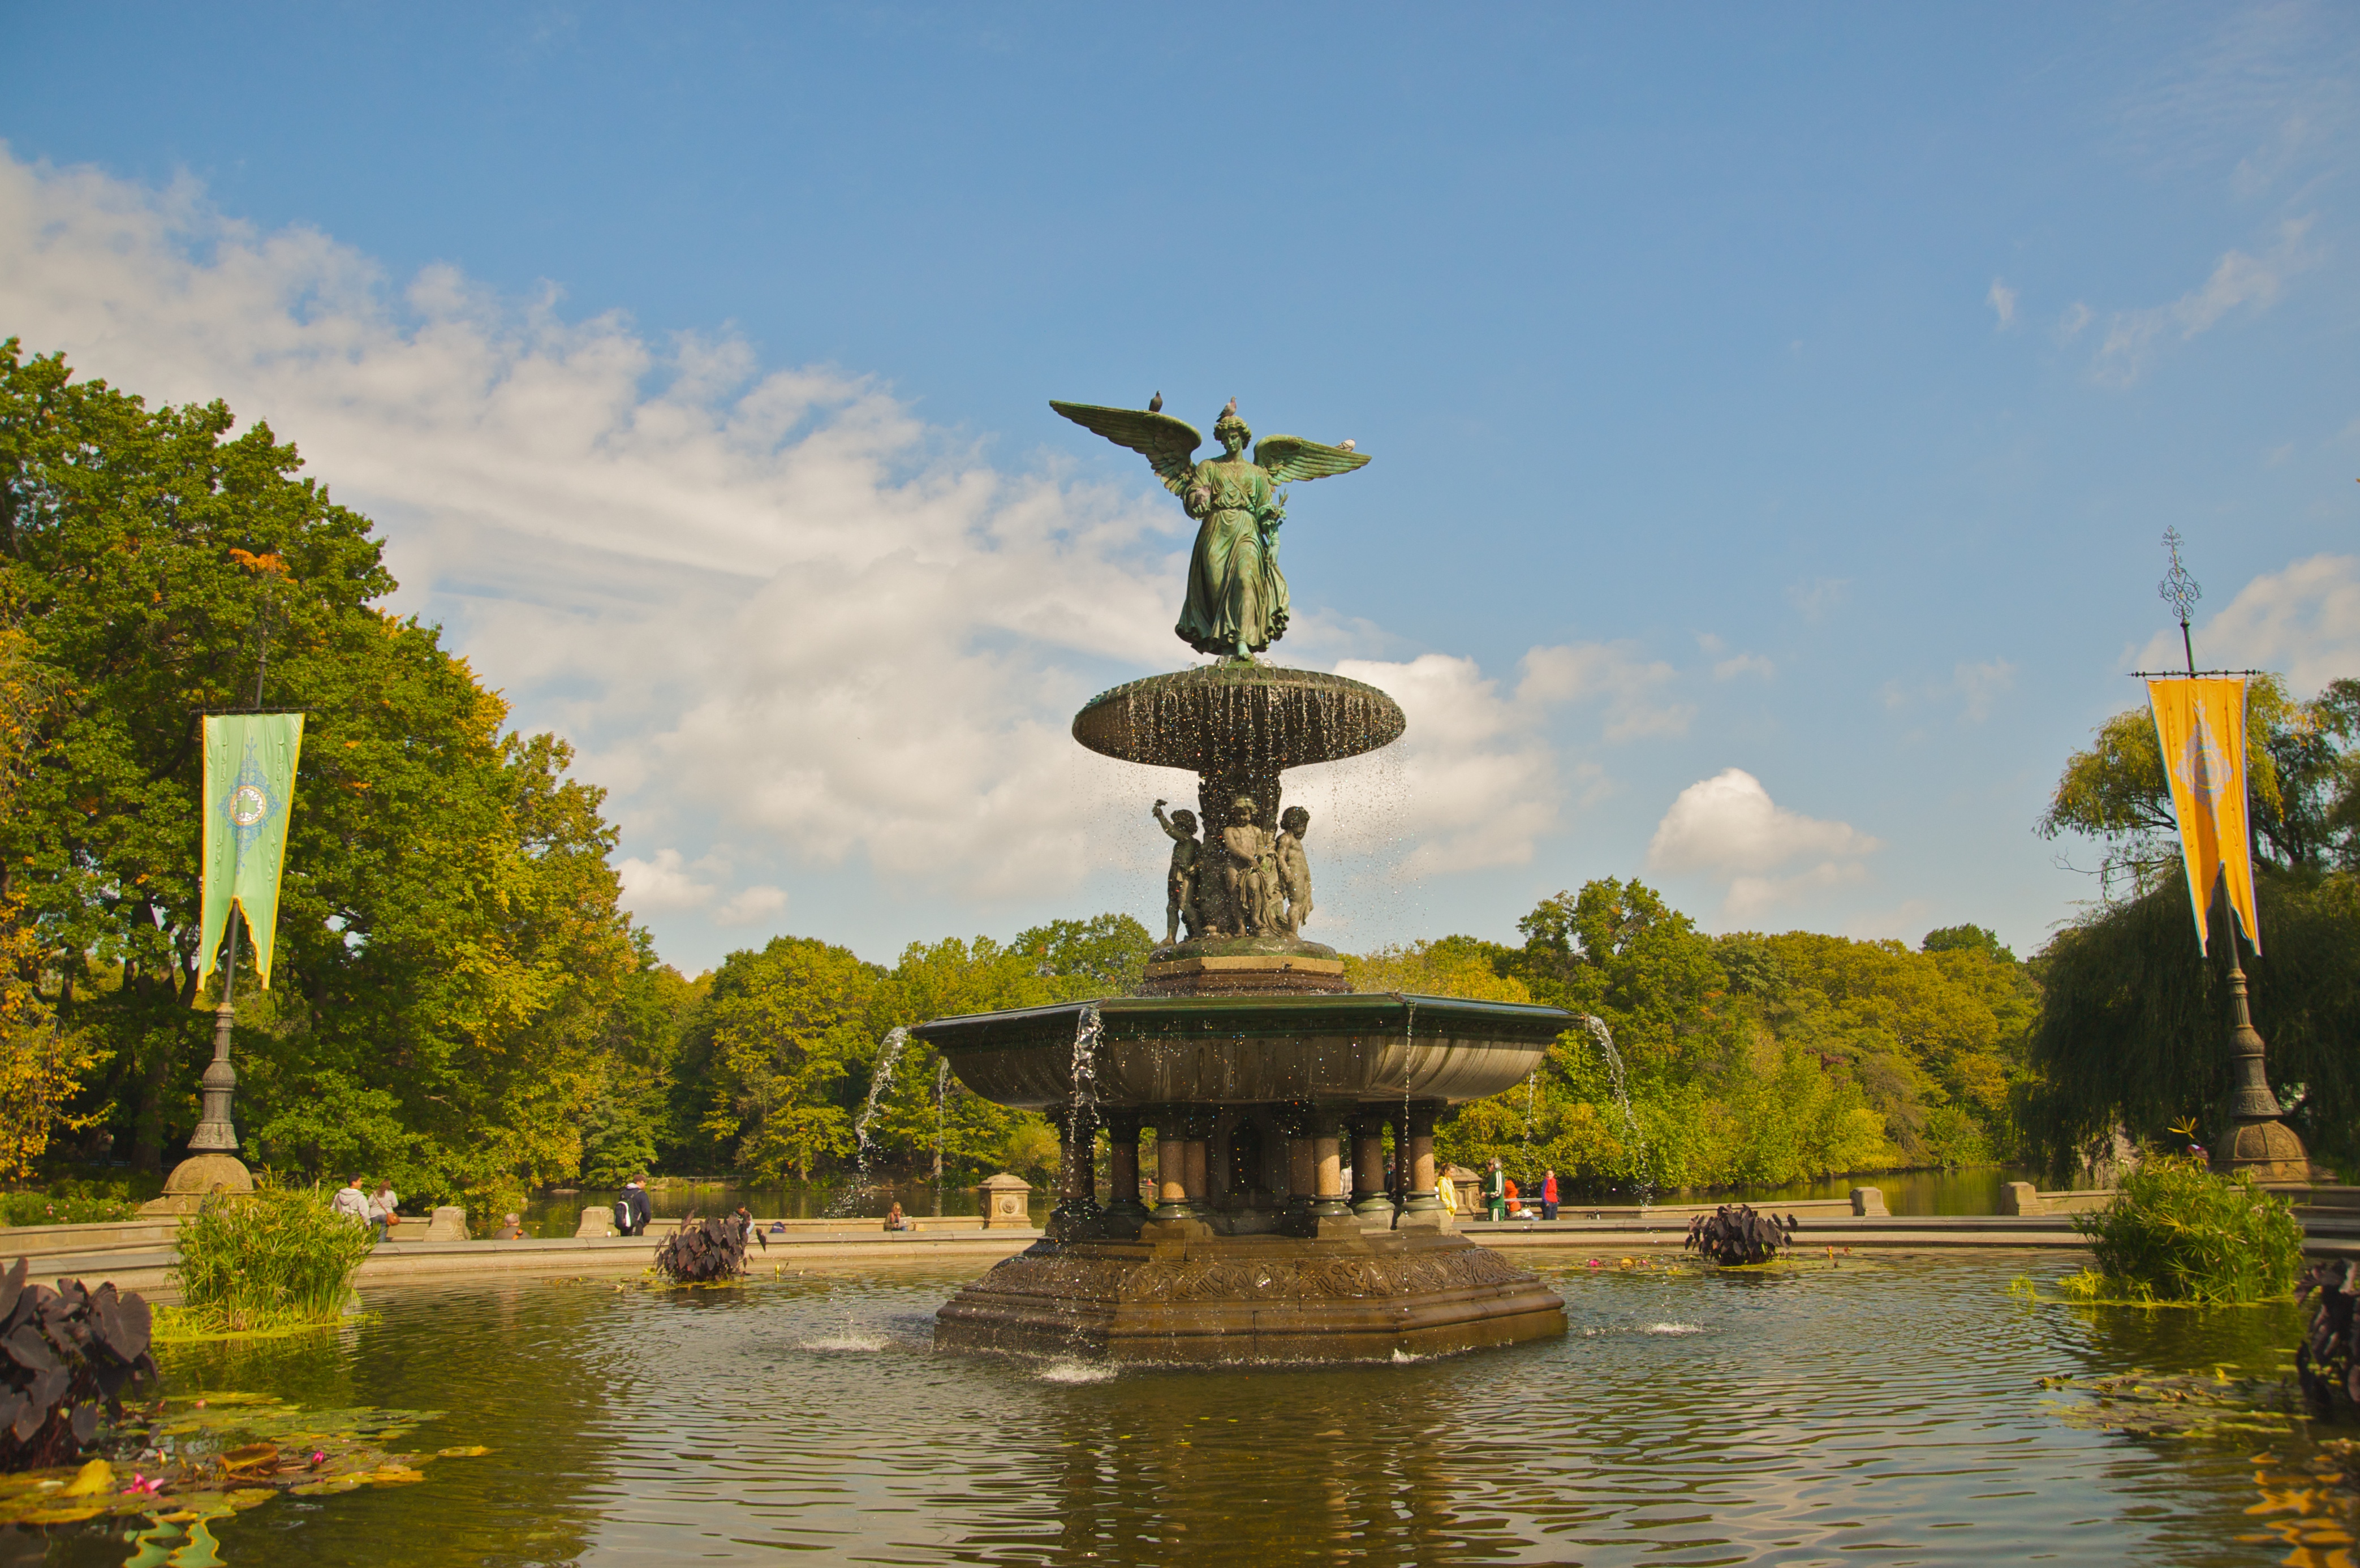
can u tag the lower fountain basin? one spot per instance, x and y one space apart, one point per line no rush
1212 1050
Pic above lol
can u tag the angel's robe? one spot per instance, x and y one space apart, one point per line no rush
1235 592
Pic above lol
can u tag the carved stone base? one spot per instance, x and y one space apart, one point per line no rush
2270 1150
193 1179
1243 965
1251 1298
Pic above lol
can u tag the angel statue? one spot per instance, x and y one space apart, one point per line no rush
1237 598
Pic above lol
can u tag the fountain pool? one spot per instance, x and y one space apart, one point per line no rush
1875 1414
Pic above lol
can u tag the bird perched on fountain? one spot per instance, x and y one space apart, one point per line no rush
1229 411
1155 404
1344 445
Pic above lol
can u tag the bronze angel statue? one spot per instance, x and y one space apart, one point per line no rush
1236 598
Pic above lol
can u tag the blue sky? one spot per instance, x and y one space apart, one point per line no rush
1796 391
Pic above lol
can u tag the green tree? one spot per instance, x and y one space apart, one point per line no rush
450 941
770 1052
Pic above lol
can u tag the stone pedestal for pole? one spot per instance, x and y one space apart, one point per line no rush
212 1166
2260 1143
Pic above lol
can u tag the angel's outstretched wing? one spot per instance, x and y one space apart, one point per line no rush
1289 458
1167 443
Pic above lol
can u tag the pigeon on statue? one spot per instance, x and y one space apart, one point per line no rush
1344 445
1155 404
1231 410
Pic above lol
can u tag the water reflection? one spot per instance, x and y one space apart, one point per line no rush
1881 1412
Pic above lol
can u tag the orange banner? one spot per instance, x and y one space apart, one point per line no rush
2201 723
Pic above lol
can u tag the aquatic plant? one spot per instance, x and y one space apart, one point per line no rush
700 1251
2325 1361
276 1257
69 1353
1733 1235
2179 1233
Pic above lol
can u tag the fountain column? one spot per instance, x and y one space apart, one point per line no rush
1423 1178
1302 1162
1123 1207
1195 1133
1327 1164
1077 1194
1369 1194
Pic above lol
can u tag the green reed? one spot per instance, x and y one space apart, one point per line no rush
2179 1233
277 1258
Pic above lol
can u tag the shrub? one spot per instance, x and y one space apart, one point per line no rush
276 1257
53 1208
1733 1236
702 1250
2179 1233
70 1351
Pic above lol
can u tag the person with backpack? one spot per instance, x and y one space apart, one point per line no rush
633 1209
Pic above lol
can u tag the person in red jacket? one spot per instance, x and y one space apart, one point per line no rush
1548 1195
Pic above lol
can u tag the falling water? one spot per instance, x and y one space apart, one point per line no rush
889 1056
941 1099
1605 1039
1084 1096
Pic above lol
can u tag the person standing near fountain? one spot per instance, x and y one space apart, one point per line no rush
1293 869
1181 881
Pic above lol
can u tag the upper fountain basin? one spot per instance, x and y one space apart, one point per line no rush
1222 714
1206 1051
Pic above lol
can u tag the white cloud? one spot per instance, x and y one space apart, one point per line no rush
2303 621
1818 597
2238 280
1727 828
1979 685
660 885
2002 300
1743 664
773 600
2076 317
1483 783
751 905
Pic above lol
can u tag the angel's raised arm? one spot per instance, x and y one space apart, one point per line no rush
1167 443
1287 459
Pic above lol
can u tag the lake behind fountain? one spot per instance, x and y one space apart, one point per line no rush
1884 1412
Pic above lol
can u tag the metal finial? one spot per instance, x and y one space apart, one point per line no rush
2180 591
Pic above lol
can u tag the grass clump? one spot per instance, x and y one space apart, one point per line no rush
2179 1233
277 1258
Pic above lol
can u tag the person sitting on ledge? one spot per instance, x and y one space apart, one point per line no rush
1515 1203
352 1203
511 1229
896 1220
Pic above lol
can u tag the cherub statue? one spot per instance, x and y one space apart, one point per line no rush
1249 871
1293 869
1236 598
1180 881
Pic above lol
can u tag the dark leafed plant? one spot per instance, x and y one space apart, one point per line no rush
1733 1235
63 1355
702 1250
2324 1360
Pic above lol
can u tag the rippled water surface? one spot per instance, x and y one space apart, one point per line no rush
1881 1413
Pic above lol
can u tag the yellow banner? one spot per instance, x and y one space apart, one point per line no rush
2201 723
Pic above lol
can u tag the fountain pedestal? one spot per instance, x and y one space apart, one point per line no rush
1357 1295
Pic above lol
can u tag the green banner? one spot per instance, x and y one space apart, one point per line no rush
249 784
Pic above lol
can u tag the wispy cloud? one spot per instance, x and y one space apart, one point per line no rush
1817 598
2239 280
2002 300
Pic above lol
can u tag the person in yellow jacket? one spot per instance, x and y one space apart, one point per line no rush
1447 1190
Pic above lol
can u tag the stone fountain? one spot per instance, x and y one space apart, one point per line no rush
1261 1076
